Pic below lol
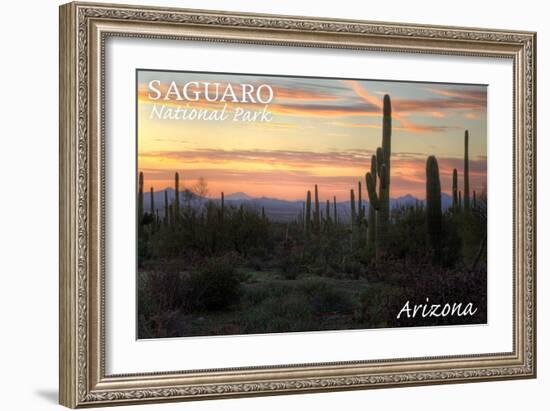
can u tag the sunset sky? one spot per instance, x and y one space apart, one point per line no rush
323 132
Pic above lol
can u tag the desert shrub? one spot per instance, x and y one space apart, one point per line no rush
408 232
352 267
290 273
289 262
472 231
214 287
255 263
295 307
255 295
329 300
312 286
452 246
324 297
260 253
379 303
160 291
289 270
330 272
159 298
279 313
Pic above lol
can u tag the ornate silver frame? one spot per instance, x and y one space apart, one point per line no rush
83 30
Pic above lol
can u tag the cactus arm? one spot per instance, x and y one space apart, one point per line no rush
316 214
371 190
455 188
379 159
466 172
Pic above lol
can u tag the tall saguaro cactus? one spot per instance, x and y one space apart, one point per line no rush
353 218
383 213
152 198
360 209
433 205
335 211
316 213
352 205
177 200
308 213
386 134
222 207
171 215
380 199
380 203
166 217
466 173
455 189
140 197
371 230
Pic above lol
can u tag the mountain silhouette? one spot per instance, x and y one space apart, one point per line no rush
276 209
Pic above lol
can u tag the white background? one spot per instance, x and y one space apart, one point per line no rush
28 206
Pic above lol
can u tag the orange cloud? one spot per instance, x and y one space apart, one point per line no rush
287 174
401 108
404 123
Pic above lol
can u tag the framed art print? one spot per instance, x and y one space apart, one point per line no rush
256 204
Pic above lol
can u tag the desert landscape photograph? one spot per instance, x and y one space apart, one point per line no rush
271 204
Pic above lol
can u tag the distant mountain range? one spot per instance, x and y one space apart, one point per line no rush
276 209
240 196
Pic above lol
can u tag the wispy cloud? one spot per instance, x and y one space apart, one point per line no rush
455 99
411 127
281 158
324 110
468 94
296 170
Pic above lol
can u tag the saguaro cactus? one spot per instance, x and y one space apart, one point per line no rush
381 200
308 213
166 217
316 213
335 211
222 207
352 205
433 205
171 215
360 208
140 197
327 211
383 213
152 198
455 189
466 173
177 199
371 230
386 134
353 218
